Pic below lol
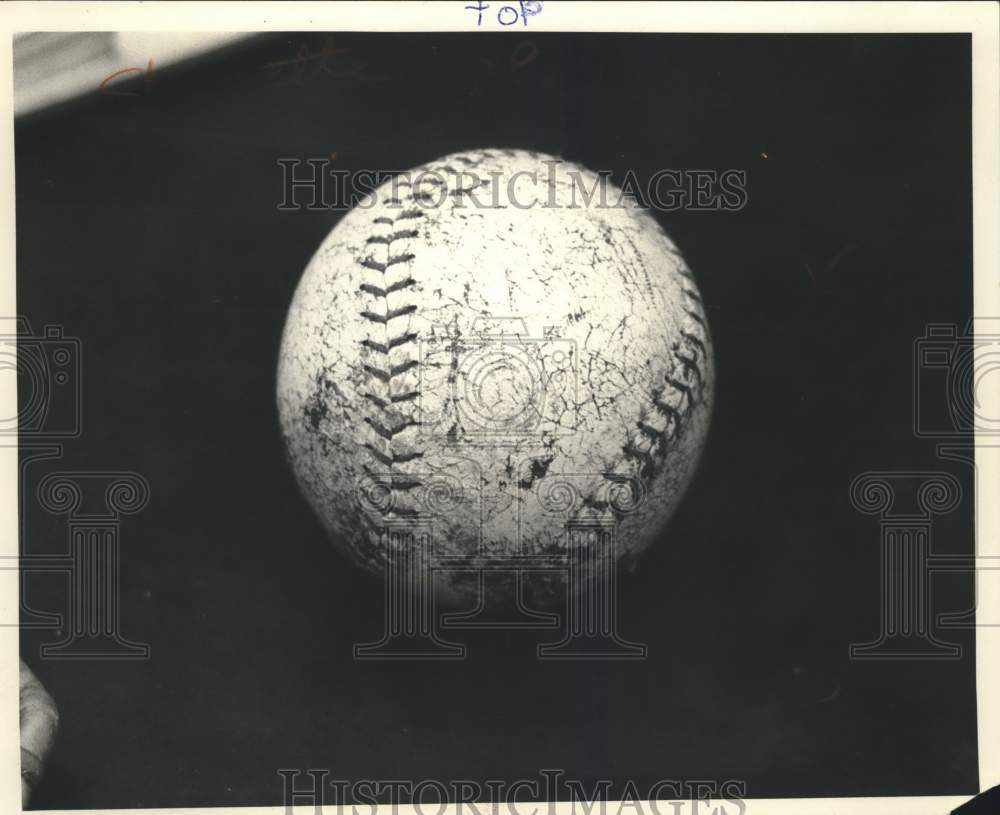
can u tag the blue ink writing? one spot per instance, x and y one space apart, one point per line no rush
508 15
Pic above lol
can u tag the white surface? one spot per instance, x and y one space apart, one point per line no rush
604 371
52 67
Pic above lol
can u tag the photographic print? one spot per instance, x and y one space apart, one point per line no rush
539 405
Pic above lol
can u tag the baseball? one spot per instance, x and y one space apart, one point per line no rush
495 345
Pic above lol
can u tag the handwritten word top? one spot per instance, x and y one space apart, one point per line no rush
505 15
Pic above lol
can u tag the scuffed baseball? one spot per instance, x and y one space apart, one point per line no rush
479 348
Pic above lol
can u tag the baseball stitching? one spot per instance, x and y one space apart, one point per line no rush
650 444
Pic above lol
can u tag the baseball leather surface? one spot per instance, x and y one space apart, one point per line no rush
480 348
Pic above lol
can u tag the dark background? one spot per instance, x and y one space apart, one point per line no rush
147 227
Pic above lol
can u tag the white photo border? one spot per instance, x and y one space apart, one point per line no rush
980 19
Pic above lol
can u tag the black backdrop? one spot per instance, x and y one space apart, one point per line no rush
147 226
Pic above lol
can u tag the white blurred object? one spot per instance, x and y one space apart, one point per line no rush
52 67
